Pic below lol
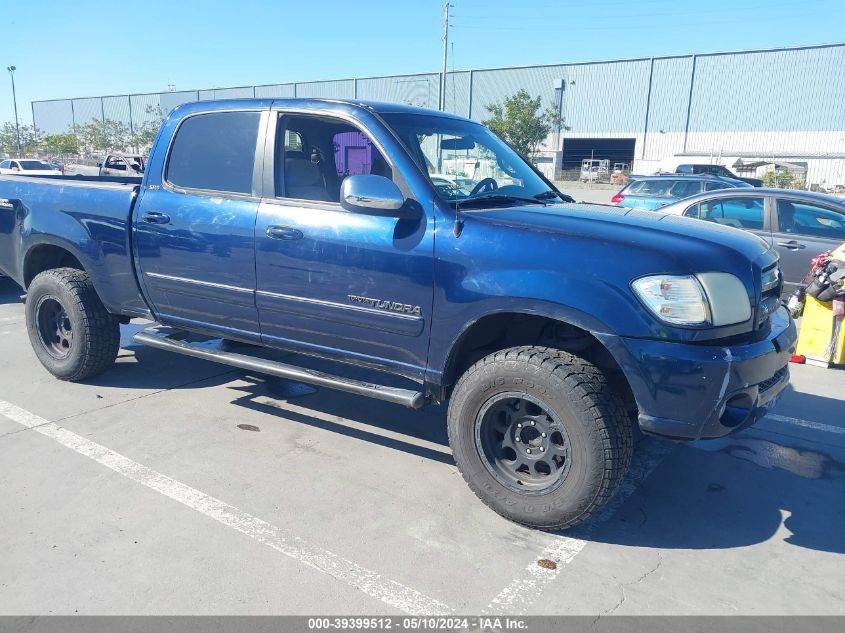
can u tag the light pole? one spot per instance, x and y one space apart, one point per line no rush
12 70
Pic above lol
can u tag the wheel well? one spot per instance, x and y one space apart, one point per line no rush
47 257
501 331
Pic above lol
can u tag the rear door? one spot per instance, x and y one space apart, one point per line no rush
194 235
801 230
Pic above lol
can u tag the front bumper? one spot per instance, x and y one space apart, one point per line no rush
691 392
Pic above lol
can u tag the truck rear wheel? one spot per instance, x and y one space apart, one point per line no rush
539 435
70 330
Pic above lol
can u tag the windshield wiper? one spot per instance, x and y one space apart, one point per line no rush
497 197
548 195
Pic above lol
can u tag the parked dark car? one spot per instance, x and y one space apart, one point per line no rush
799 224
652 192
715 170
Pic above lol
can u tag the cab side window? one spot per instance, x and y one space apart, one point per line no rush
315 154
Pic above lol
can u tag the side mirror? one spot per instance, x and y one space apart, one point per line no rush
375 195
99 164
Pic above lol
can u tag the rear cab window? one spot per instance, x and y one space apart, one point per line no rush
215 151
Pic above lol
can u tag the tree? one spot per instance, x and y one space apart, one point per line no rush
778 178
144 134
102 136
61 144
521 122
9 138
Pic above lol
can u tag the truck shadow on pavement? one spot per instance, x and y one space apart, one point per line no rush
10 292
353 416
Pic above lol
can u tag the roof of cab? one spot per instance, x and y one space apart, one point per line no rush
374 106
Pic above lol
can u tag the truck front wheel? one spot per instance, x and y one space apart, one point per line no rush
539 435
70 330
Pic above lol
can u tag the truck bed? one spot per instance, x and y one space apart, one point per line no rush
86 216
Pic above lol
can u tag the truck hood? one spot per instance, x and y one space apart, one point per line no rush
661 233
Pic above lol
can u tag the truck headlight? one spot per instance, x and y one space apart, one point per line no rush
673 299
695 300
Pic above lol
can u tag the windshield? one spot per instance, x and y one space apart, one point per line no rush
465 160
34 164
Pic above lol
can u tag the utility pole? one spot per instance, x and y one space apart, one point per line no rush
12 70
446 6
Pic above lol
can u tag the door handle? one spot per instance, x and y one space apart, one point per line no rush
792 245
283 233
155 217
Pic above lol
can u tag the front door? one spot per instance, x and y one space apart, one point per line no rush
801 230
194 236
348 286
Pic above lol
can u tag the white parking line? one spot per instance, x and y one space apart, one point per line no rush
520 594
369 582
817 426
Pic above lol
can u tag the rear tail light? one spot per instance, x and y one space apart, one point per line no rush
617 198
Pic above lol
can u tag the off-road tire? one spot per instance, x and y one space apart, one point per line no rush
579 395
95 332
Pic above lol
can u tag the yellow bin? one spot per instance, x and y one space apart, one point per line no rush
814 339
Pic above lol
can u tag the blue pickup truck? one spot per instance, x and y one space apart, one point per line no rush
552 328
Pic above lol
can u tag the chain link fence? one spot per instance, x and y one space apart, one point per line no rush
755 112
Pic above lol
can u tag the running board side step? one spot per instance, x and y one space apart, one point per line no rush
166 339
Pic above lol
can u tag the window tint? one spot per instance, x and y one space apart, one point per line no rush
215 151
742 213
5 164
684 169
685 188
318 153
809 219
713 185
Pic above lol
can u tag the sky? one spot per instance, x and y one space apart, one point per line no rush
81 48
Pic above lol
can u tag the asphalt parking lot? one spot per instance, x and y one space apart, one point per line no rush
171 485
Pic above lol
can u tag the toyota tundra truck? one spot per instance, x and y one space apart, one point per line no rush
555 330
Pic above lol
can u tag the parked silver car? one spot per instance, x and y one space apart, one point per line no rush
799 224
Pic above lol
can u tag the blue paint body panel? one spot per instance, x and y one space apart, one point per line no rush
399 295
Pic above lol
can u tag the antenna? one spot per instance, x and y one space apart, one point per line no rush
446 6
